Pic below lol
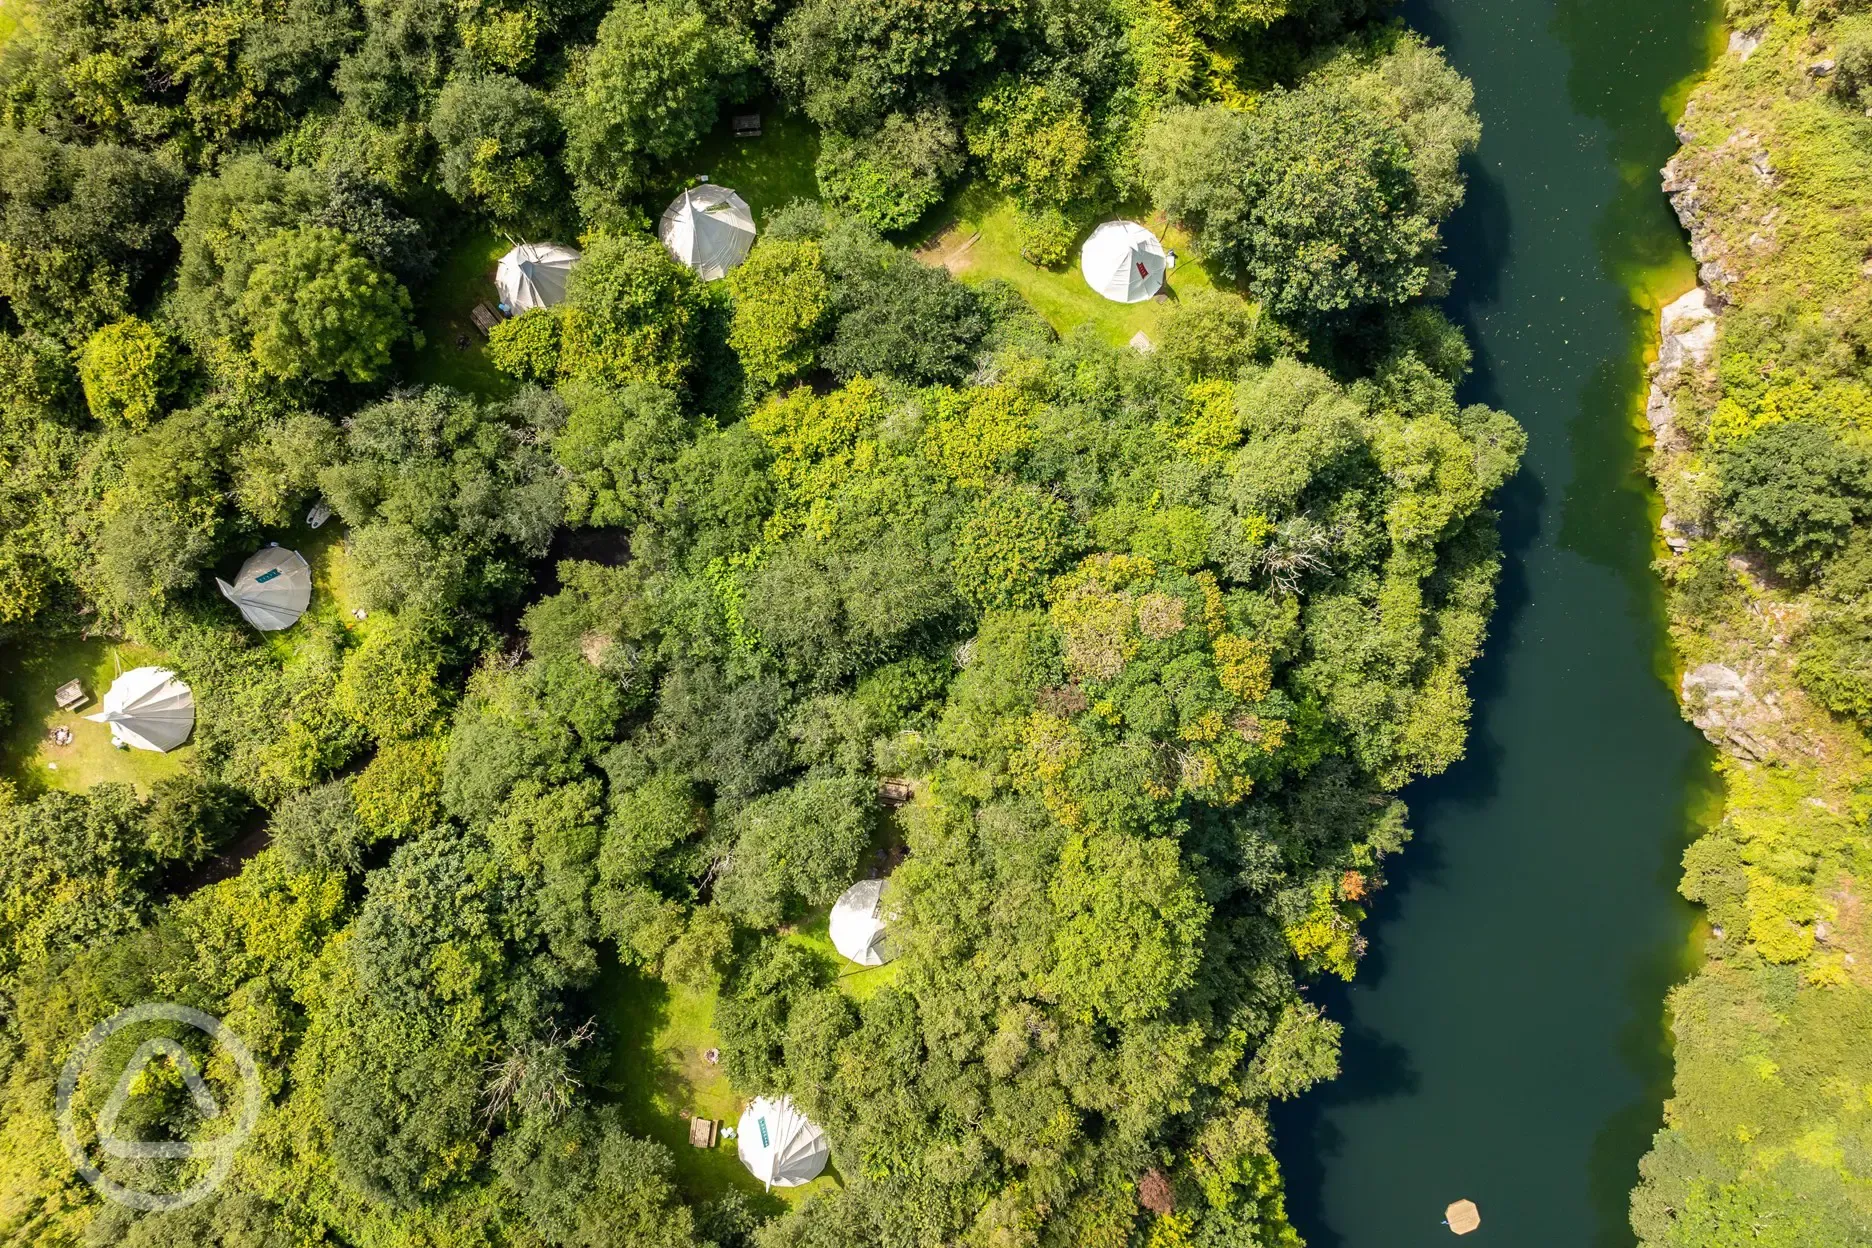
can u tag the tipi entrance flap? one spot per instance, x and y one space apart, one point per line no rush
857 925
272 589
1124 262
148 708
779 1145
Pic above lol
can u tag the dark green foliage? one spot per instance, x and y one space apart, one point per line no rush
70 867
162 522
898 318
319 829
754 1008
496 135
645 91
1108 660
1795 491
587 1183
189 818
801 843
1309 199
82 229
893 175
848 64
618 447
446 496
317 309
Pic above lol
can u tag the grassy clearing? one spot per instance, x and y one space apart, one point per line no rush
769 172
658 1075
465 279
977 241
860 983
29 673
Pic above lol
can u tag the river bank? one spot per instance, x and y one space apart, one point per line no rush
1768 1128
1504 1038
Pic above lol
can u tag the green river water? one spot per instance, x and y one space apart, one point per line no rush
1505 1037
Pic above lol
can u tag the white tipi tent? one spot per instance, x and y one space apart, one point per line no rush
858 924
779 1145
533 275
709 228
148 708
1123 261
273 589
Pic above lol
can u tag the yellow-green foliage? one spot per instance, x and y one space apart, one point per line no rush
1155 667
976 434
1211 428
399 793
1758 393
1774 1077
527 346
124 368
781 301
1328 936
818 447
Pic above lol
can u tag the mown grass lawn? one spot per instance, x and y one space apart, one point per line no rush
975 237
768 172
860 983
660 1078
29 672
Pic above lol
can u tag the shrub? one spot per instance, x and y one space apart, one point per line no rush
527 346
126 368
399 793
1013 540
1045 235
894 176
389 683
1794 490
1033 140
318 309
782 299
632 313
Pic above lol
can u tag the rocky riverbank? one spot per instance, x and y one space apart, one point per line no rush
1761 423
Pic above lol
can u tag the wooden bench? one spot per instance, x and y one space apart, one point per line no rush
484 318
69 695
747 126
702 1132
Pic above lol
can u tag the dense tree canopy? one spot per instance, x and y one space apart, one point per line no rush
639 637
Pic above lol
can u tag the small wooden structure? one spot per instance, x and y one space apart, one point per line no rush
484 318
702 1132
70 695
1462 1217
894 792
747 126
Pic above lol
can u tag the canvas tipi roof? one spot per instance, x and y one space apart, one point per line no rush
533 275
148 708
858 924
779 1145
1123 261
272 590
709 228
